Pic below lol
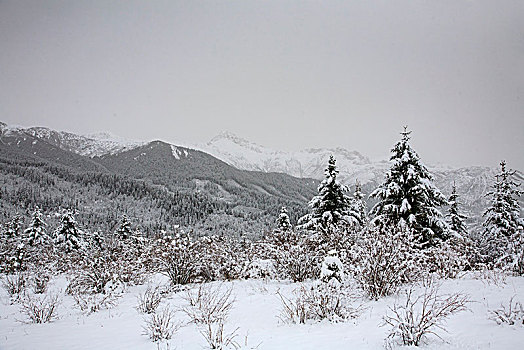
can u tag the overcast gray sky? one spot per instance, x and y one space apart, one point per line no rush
285 74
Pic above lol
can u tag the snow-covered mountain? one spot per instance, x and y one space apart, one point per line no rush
472 182
86 145
309 163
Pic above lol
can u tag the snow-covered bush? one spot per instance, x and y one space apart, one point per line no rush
331 301
294 310
176 258
332 268
161 325
511 314
13 255
418 316
383 259
446 258
15 285
296 262
127 258
488 276
148 301
222 258
260 269
41 309
93 278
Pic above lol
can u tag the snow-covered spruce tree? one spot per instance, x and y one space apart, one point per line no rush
12 228
359 205
124 230
290 252
36 233
332 206
283 233
283 223
455 219
503 226
408 196
67 234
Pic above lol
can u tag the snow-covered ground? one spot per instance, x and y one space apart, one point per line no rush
255 314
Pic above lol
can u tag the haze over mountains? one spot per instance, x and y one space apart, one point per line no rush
214 188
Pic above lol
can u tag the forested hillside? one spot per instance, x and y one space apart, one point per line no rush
158 185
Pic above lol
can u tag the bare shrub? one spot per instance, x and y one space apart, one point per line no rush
15 285
161 325
293 310
322 301
208 304
296 262
91 303
90 279
41 309
383 259
217 338
209 307
418 316
512 314
495 277
176 258
148 301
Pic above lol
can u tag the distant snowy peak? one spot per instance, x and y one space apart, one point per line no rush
309 163
85 145
226 138
472 182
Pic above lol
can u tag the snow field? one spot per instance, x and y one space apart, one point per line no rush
255 314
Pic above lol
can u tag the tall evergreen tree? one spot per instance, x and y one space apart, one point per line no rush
503 225
36 233
332 206
408 196
67 233
455 219
124 231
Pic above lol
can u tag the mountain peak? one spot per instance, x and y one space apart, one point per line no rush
229 137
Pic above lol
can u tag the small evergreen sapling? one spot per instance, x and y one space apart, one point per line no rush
283 234
359 205
12 228
455 219
332 206
124 230
67 234
36 233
